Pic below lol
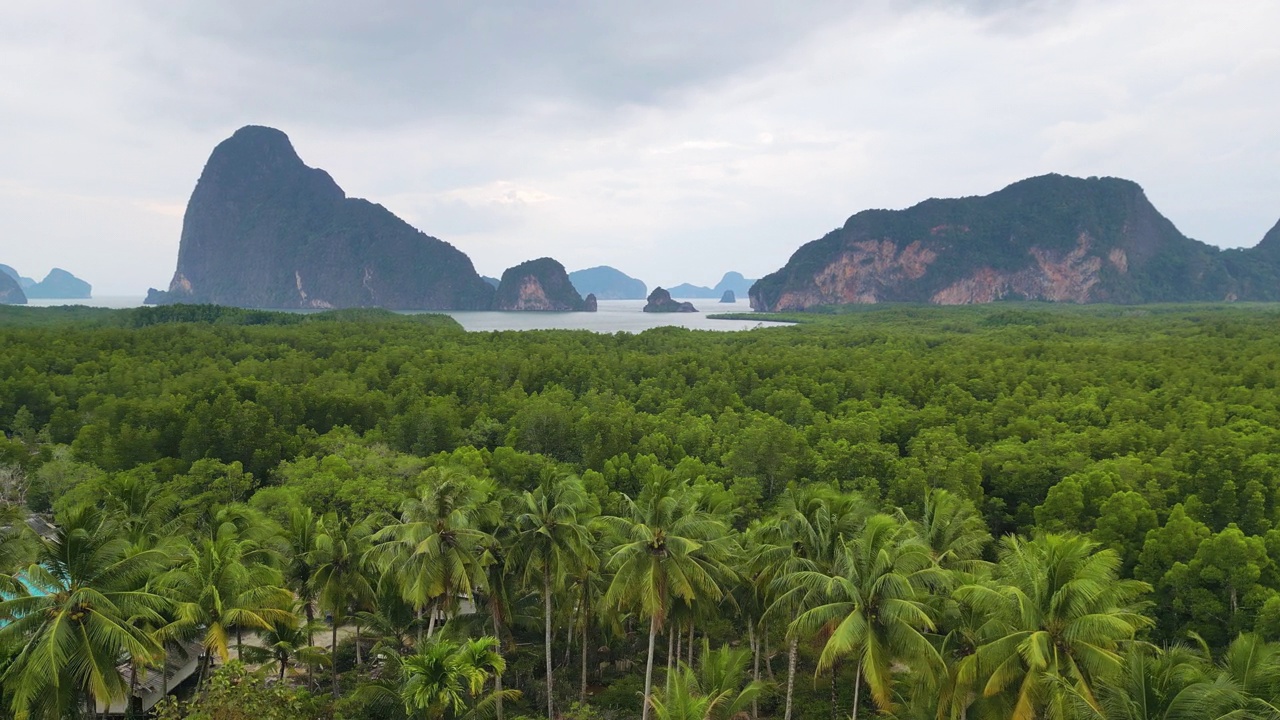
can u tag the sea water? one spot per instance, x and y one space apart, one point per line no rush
611 316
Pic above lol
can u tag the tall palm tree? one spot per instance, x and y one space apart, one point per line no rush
342 578
666 549
300 533
875 608
221 585
806 534
284 643
1058 617
434 551
551 541
88 599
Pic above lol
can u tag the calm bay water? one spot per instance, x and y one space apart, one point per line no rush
612 316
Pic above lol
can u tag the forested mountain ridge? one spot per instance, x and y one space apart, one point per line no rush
264 230
1052 237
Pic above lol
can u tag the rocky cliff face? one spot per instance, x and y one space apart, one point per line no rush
264 230
540 284
1052 238
10 292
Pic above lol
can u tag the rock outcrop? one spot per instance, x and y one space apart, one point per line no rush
608 283
660 301
728 297
264 230
540 284
1053 238
10 291
60 284
590 304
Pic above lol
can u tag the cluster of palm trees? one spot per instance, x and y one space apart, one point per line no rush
901 608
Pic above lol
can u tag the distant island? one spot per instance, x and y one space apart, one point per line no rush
1054 238
10 291
608 283
57 285
731 281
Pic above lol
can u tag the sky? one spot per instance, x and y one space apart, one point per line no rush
673 140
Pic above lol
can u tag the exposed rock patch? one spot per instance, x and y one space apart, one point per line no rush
540 285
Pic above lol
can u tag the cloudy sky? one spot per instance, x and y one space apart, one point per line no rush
674 140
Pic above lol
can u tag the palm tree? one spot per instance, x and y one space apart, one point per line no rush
300 534
88 599
284 643
552 540
341 579
222 585
805 535
1058 616
444 679
718 689
434 551
875 609
666 550
1174 684
1250 669
148 514
953 530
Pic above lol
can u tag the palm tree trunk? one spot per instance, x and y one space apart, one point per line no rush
582 687
755 665
282 660
768 658
431 621
648 669
497 677
333 653
791 674
679 643
359 660
671 646
835 698
546 603
691 643
857 687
